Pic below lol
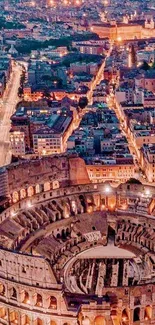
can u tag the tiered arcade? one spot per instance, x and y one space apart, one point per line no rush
73 252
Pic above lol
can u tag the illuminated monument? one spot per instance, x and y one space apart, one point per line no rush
73 252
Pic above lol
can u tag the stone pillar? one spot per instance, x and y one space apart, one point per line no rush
19 318
114 277
142 311
143 299
153 315
125 273
153 297
47 320
131 316
46 301
100 280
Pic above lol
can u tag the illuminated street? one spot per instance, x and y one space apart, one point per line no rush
8 105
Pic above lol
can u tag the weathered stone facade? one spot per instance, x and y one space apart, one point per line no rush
75 253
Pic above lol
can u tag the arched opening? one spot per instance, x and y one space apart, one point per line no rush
55 185
2 290
26 299
47 186
74 207
53 322
39 300
80 318
38 321
22 193
15 197
14 294
83 203
136 314
30 191
66 210
63 234
86 321
125 317
13 317
66 323
137 301
99 320
25 320
148 313
67 232
58 236
3 313
53 302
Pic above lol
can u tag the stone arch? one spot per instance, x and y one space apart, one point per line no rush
99 320
80 318
15 197
55 185
125 316
25 320
53 302
26 298
38 321
63 234
39 300
136 314
83 203
148 312
137 300
66 210
52 322
13 317
22 193
47 186
3 312
86 321
74 206
111 233
2 289
30 191
67 231
13 293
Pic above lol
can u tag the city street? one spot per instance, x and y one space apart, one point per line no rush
7 108
115 106
98 78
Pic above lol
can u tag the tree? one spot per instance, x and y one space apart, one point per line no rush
145 66
83 102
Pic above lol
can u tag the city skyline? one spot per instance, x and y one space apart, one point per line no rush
77 162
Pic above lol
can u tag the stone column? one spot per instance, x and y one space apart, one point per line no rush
114 277
131 316
142 311
125 273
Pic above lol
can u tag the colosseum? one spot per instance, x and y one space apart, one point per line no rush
73 252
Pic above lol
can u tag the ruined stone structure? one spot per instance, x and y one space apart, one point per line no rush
74 253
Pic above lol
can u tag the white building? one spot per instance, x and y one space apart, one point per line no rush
17 140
